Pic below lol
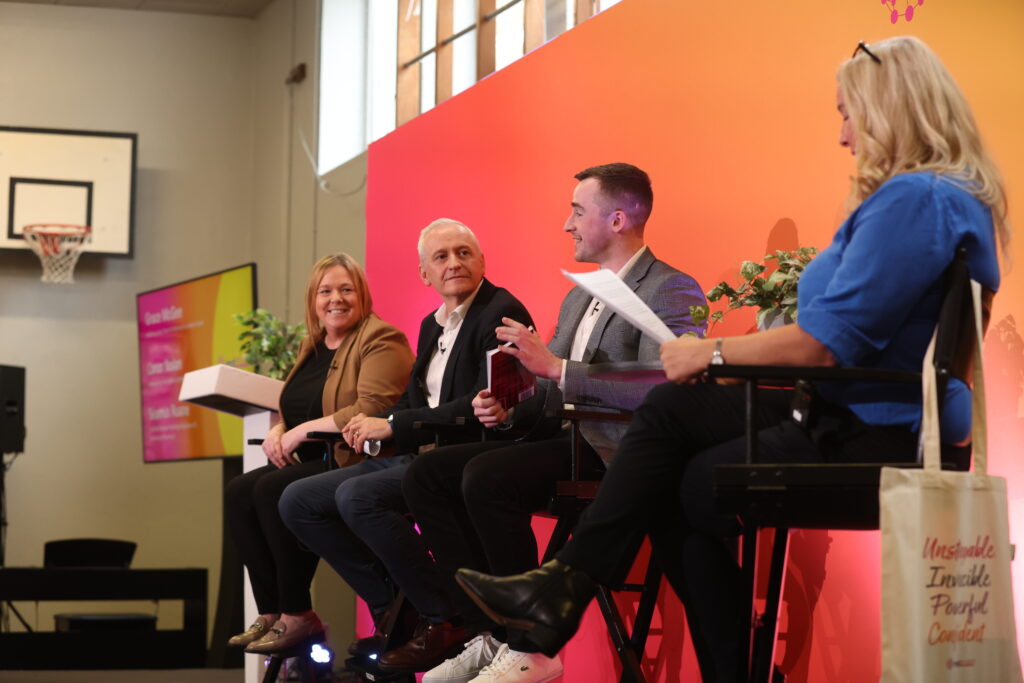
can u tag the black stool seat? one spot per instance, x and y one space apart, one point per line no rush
803 496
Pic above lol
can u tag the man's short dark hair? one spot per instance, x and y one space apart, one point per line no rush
627 186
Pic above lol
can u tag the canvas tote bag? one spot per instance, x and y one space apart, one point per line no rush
947 599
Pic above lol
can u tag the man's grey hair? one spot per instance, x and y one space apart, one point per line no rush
440 223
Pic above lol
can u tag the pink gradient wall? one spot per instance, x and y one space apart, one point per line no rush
731 108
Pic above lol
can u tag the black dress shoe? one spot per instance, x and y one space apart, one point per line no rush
547 603
369 647
386 629
373 644
432 644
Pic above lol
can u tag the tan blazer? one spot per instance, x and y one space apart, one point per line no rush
369 371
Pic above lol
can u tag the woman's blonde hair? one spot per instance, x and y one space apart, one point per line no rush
314 328
908 114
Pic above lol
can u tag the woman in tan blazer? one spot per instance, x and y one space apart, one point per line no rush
350 362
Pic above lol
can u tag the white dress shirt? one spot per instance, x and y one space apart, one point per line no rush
450 323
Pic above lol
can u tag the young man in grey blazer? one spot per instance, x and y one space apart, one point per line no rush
474 502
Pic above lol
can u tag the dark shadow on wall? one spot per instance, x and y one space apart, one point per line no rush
782 236
1004 384
805 576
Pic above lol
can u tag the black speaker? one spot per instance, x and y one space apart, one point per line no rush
12 409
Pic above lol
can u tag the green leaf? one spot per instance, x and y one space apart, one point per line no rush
776 291
268 344
749 270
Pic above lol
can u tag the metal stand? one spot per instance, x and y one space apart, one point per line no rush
4 466
7 605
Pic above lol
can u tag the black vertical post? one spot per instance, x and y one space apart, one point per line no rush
229 618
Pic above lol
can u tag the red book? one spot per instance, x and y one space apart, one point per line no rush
507 379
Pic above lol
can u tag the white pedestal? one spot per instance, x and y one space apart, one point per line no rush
254 426
230 390
255 399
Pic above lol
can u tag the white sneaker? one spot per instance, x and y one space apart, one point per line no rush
477 654
510 666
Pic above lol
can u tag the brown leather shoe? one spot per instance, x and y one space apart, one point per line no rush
432 644
254 632
281 639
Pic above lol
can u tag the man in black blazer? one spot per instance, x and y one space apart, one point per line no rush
473 502
354 517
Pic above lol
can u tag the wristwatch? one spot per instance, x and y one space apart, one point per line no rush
391 419
716 355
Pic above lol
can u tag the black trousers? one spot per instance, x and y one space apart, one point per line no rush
474 504
280 569
660 484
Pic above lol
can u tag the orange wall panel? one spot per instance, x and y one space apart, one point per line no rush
730 107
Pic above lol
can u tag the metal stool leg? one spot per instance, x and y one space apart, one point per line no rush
273 668
766 637
645 608
747 617
631 672
559 536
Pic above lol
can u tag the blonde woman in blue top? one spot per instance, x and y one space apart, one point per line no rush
924 187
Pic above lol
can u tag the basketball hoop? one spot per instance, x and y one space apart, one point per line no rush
58 246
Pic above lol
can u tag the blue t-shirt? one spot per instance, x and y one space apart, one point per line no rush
873 296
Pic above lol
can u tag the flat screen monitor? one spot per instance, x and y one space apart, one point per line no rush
184 327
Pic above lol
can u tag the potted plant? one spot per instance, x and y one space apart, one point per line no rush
270 345
773 294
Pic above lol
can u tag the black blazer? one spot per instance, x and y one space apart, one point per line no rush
465 373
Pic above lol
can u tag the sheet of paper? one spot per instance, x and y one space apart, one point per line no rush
606 286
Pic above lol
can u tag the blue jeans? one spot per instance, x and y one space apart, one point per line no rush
355 519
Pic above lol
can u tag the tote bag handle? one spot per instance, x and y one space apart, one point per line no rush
931 444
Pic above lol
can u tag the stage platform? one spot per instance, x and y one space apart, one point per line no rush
147 676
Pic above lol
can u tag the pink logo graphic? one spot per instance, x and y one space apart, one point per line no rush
908 9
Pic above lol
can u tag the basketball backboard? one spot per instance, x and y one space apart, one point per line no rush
68 176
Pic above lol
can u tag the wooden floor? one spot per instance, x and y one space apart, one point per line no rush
150 676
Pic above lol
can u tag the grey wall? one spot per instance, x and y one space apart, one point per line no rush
222 180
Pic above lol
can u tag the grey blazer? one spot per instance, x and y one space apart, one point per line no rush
669 293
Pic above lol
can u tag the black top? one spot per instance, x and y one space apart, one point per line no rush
302 397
